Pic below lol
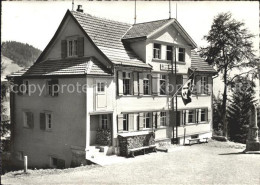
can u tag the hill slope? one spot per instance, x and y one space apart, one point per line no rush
24 55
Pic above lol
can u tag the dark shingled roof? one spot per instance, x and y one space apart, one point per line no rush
200 64
144 29
71 66
107 35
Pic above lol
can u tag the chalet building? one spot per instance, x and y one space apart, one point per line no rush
127 72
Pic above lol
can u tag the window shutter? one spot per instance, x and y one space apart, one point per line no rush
60 163
30 119
63 48
131 122
159 119
155 84
198 84
55 87
207 115
135 74
42 121
197 115
119 122
80 46
210 85
141 121
120 83
141 87
155 120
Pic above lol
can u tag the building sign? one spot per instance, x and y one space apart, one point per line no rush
167 67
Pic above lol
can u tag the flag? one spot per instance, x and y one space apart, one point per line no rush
187 88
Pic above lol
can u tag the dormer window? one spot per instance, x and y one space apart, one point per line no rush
157 51
72 46
181 55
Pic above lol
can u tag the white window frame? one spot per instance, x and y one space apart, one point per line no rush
127 76
147 78
147 115
193 116
204 80
72 47
205 114
157 51
101 87
181 52
163 119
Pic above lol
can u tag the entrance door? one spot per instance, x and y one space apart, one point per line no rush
101 95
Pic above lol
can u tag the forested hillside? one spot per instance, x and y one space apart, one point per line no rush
22 54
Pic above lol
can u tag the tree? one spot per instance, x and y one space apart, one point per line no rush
217 111
5 124
230 47
238 112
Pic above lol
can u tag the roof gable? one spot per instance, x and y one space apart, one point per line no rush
149 29
200 64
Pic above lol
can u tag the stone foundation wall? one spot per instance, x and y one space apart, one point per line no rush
103 137
130 142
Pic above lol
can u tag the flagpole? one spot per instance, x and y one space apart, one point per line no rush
172 100
176 98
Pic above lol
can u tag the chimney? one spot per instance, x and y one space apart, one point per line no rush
79 9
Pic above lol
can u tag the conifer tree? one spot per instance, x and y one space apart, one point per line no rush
238 112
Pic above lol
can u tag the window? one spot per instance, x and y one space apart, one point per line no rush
203 85
28 121
163 119
101 87
169 52
125 122
181 55
146 84
104 121
52 87
203 115
191 116
162 84
72 48
126 83
46 121
157 51
147 120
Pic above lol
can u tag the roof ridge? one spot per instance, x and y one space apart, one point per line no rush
154 21
102 18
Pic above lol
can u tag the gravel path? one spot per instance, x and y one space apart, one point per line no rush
197 164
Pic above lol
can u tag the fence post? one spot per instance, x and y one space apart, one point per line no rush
25 163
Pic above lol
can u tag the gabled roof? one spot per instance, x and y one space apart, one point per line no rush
148 29
200 64
75 66
107 34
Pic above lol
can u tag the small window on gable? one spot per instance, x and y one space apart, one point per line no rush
126 83
181 55
72 47
157 51
101 87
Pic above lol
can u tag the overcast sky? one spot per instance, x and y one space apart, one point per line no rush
36 22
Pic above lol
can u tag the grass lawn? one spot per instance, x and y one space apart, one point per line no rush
212 163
